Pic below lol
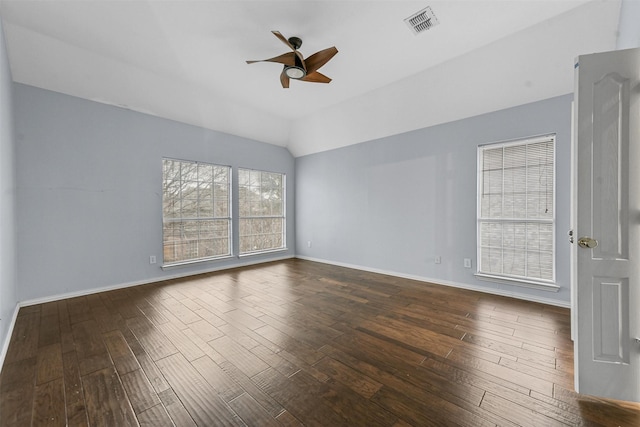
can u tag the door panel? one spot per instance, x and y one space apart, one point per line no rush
611 320
607 211
610 165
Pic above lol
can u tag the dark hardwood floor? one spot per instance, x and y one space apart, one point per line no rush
296 343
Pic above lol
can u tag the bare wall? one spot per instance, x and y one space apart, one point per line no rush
89 180
394 204
8 263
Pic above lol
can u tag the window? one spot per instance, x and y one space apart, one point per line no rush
196 215
262 206
516 219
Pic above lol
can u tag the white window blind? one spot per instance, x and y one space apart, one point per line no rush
261 197
196 211
516 217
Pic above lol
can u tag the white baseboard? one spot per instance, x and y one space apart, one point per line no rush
466 286
82 293
7 340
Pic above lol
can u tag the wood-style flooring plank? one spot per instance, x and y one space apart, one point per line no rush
275 360
515 378
356 381
432 412
356 409
16 408
49 405
49 327
176 410
251 412
181 341
17 387
49 364
301 397
516 413
406 377
106 401
156 416
285 419
155 343
24 339
139 390
73 391
244 360
267 402
217 378
79 310
121 354
199 398
92 354
205 330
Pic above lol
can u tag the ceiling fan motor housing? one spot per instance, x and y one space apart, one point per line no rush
296 42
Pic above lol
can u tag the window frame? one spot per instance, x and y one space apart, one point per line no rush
515 279
283 216
228 218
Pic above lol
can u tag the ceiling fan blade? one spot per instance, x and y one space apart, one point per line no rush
284 79
316 77
288 58
301 62
320 58
282 38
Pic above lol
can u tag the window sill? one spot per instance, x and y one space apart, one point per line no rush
545 286
195 261
269 251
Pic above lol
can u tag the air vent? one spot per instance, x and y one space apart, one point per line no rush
422 21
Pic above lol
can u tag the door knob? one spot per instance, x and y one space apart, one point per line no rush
587 242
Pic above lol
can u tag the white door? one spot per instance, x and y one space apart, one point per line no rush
607 224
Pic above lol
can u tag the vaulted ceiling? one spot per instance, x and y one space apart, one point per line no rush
185 60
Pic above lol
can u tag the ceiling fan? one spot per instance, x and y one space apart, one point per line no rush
298 68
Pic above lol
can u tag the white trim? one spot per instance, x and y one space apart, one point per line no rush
517 141
7 339
506 280
187 263
266 251
500 292
52 298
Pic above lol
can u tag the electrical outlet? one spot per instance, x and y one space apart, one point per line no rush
467 263
309 243
438 259
152 259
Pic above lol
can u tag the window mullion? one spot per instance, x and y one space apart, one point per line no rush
502 216
526 209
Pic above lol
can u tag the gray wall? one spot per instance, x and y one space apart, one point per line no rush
8 273
89 191
628 28
394 204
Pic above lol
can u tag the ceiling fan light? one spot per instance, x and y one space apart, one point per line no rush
294 72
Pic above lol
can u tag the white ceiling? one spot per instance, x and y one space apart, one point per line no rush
185 60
